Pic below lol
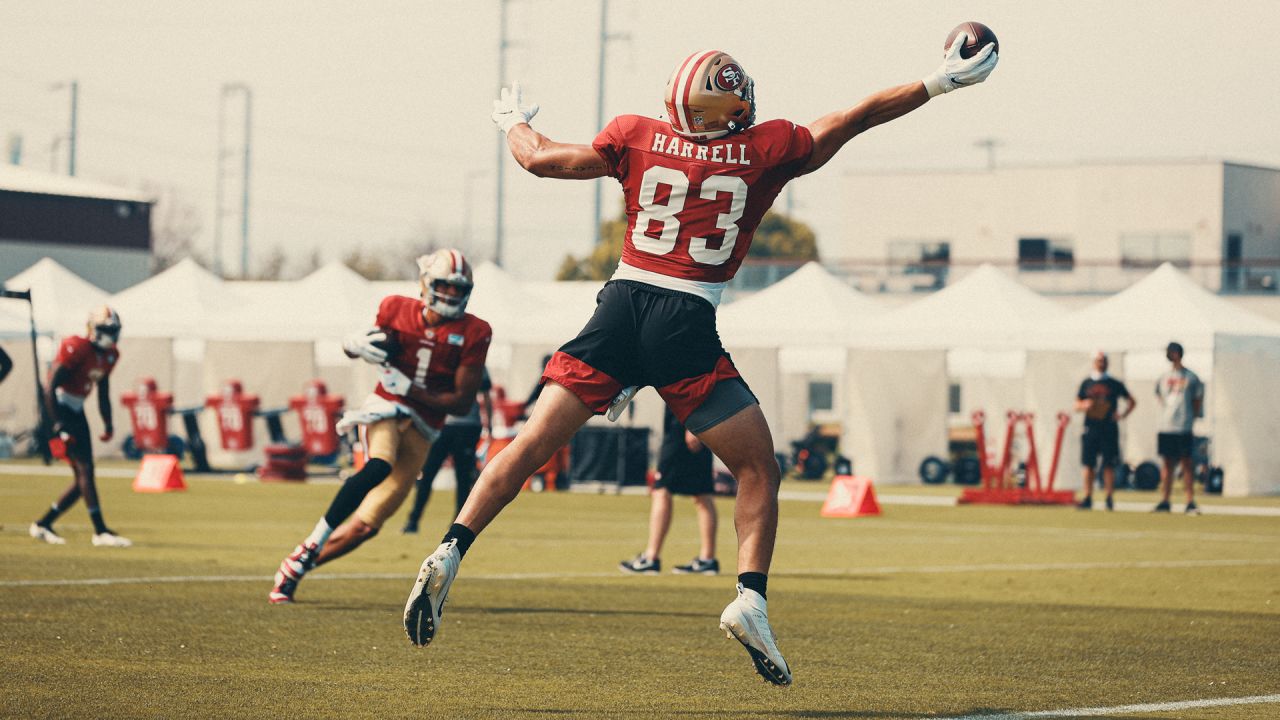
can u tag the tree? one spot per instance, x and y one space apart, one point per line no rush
271 267
777 238
175 224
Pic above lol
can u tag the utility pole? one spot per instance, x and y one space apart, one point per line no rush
990 144
498 228
74 87
605 37
219 209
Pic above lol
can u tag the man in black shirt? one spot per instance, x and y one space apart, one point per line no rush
1097 398
684 468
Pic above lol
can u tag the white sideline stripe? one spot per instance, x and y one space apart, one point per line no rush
883 570
1127 709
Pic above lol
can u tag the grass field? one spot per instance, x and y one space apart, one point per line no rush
923 612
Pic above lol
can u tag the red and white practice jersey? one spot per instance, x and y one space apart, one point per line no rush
430 356
693 207
86 365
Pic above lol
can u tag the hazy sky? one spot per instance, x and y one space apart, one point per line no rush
371 124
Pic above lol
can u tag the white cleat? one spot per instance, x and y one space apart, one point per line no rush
110 539
426 600
746 620
621 401
44 534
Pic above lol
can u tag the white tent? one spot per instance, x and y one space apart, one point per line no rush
62 299
177 303
986 310
1135 326
809 308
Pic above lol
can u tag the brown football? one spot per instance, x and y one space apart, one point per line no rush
978 37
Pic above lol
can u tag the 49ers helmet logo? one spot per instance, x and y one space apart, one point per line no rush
729 78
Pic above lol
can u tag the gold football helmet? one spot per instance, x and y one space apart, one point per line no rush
104 327
709 96
445 267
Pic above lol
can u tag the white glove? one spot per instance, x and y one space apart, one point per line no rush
958 72
394 381
508 111
361 345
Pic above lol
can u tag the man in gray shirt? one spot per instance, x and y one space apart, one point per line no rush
1181 396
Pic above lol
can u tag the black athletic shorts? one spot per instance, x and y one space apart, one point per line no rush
642 335
76 426
1173 446
1100 442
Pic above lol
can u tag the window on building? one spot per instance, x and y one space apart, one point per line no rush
921 257
1040 254
1148 250
821 396
953 398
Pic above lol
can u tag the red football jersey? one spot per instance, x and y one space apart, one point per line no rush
692 207
86 364
430 356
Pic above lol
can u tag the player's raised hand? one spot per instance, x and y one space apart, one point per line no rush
957 72
509 109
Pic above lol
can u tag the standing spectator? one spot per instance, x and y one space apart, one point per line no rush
684 468
1181 397
458 439
1097 399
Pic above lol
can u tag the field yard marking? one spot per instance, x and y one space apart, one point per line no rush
1032 567
882 570
1058 531
1126 709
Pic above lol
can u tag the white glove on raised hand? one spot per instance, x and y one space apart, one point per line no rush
509 111
361 345
958 72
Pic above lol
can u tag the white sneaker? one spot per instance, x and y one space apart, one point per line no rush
747 620
426 600
110 539
621 401
40 532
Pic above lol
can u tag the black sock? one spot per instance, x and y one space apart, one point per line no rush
463 535
49 517
754 581
354 489
99 525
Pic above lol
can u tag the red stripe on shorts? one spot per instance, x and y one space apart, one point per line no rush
595 388
685 396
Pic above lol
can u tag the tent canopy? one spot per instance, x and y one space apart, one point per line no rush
1165 305
809 307
62 299
986 310
177 303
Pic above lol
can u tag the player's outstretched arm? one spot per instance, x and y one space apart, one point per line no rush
830 132
536 152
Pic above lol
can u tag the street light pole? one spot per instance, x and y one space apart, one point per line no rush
71 133
502 138
219 210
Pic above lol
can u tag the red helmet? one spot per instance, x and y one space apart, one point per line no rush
709 96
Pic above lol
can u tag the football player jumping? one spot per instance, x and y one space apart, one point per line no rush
431 353
81 364
696 185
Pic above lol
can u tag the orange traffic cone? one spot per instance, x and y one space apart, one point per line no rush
159 473
850 496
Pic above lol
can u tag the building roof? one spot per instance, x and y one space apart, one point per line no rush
26 180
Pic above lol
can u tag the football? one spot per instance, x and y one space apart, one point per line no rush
978 37
391 346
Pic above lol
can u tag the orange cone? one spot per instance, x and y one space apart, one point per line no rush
850 497
159 473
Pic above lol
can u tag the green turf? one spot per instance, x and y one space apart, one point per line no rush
923 612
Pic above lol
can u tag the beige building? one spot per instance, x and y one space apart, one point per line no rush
1084 228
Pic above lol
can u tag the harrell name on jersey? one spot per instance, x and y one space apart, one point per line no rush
430 356
86 365
693 207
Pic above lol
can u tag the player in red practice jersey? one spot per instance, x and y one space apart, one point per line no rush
82 363
431 355
696 185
